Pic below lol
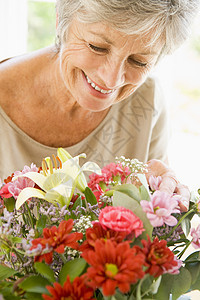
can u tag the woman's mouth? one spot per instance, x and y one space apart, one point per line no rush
96 87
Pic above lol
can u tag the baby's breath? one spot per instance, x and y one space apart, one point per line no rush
134 165
82 224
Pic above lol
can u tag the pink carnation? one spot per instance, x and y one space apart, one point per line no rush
175 269
113 170
4 192
16 186
121 219
195 233
95 179
154 182
160 208
99 183
108 173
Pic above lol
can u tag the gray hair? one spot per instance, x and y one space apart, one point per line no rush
170 19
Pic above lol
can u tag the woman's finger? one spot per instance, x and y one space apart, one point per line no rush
184 192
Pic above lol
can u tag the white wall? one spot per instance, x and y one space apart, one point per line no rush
13 27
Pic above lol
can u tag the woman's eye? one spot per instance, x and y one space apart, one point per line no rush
138 63
97 49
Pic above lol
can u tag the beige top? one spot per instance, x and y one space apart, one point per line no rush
135 128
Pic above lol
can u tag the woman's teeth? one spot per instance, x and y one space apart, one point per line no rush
96 87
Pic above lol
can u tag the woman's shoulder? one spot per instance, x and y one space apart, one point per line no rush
16 77
11 80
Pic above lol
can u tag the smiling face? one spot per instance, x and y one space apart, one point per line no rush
101 66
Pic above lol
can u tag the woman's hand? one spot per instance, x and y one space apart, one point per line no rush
169 183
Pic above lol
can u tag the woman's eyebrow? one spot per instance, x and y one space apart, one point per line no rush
101 35
108 41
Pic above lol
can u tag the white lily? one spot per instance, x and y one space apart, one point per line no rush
58 184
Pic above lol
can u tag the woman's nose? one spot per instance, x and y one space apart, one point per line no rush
112 74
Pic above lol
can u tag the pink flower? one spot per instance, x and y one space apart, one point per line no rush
100 183
160 208
121 219
175 269
113 170
195 233
95 179
154 182
4 192
16 186
98 192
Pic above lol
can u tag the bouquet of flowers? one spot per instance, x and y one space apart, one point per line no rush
114 236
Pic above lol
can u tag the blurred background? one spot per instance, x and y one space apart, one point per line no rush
27 25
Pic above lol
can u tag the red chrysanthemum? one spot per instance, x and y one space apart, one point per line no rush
113 266
56 239
77 290
98 232
159 258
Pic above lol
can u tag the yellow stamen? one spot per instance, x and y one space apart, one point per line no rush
55 162
59 161
44 168
49 164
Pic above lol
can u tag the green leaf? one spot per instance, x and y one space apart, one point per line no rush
164 289
186 225
194 269
90 197
155 285
151 284
196 285
33 296
144 194
121 199
41 223
144 182
6 289
181 283
44 270
78 202
9 203
6 272
120 296
9 296
35 284
16 239
129 190
73 268
177 285
193 257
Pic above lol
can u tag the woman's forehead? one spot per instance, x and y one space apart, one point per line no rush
107 33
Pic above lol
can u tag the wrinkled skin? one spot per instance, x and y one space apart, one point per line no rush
170 183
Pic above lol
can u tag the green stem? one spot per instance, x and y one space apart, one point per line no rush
179 222
138 292
86 205
19 257
29 215
183 251
132 292
63 258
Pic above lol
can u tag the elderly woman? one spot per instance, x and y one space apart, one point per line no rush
91 92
